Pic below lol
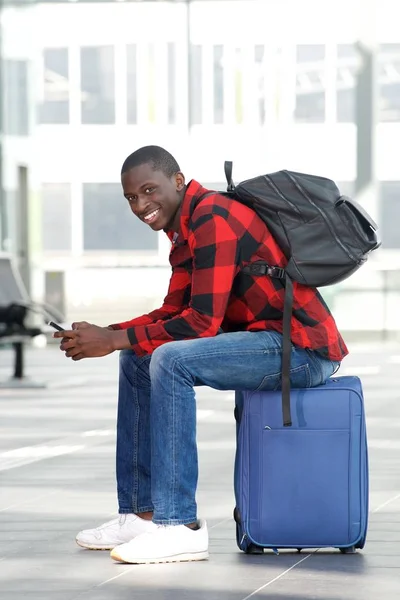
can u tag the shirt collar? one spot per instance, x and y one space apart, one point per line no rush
193 191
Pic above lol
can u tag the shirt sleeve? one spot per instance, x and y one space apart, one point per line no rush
173 304
213 246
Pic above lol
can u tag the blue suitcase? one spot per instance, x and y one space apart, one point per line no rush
304 486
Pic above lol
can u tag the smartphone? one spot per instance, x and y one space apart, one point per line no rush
55 326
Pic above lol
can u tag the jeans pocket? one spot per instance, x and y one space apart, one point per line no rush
300 377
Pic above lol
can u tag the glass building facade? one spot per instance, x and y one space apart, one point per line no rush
86 83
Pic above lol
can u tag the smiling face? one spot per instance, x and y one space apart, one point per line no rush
153 197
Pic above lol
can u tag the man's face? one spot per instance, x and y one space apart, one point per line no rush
153 197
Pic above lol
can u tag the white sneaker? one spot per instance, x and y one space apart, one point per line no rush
167 543
115 532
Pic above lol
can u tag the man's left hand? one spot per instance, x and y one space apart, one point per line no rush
90 341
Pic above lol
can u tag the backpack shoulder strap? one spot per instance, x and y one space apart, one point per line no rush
228 167
271 271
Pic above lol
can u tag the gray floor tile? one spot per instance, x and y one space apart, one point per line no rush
43 504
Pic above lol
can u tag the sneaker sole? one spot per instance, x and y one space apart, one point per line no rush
93 547
168 559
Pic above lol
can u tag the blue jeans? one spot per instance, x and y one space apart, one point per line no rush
157 468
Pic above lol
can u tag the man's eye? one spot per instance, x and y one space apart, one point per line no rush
149 190
132 199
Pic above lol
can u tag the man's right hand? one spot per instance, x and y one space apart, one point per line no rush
85 324
81 325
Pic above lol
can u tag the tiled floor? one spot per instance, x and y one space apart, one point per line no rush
57 477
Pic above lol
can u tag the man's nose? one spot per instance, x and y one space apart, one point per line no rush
142 204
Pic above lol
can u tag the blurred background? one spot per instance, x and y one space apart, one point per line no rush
308 85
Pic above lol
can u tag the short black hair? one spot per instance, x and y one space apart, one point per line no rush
160 159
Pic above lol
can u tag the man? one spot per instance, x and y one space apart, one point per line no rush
217 327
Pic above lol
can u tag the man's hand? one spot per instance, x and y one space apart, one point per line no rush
85 340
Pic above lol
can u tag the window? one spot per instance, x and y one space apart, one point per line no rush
3 216
259 53
310 86
389 80
131 83
55 105
390 213
238 82
16 114
97 85
218 52
56 216
347 61
196 76
108 223
152 84
171 83
10 200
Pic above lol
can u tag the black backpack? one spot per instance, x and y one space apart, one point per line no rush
325 237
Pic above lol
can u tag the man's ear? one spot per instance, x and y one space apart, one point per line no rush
180 181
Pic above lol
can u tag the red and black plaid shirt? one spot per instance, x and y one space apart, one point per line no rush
208 293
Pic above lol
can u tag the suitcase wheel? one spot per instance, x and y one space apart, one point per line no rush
348 550
236 515
253 549
361 544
